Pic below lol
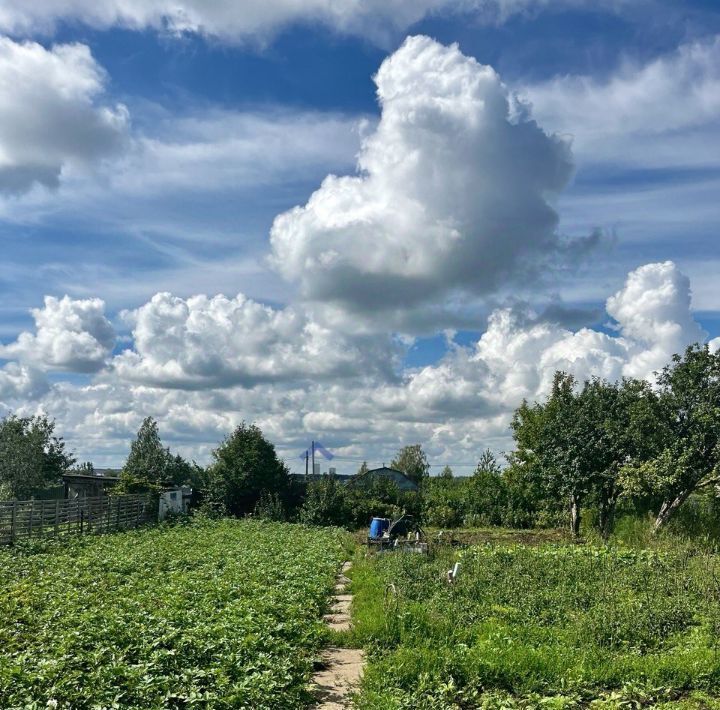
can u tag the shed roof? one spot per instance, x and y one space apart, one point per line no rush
402 481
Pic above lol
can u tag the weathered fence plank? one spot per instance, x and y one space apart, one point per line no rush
26 519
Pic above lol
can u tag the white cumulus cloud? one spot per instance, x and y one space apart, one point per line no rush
70 335
203 364
20 383
453 192
517 356
203 342
51 113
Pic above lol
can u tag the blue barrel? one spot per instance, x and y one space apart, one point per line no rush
378 526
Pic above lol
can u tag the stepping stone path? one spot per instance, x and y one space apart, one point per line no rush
341 667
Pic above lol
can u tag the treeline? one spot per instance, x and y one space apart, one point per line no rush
602 444
592 448
589 450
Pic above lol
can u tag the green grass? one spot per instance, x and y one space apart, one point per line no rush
215 614
549 626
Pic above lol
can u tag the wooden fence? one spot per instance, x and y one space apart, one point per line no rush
23 519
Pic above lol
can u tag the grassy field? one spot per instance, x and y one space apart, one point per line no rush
222 614
556 626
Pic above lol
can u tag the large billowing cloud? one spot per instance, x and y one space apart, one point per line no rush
453 193
653 312
51 114
70 335
202 343
518 355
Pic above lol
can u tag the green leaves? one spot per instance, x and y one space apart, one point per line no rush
553 626
245 466
150 466
31 456
220 614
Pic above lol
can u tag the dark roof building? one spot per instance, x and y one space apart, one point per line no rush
397 477
392 474
84 485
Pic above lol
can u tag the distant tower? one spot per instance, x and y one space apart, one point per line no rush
316 469
332 471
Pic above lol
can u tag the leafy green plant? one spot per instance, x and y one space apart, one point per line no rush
215 613
558 626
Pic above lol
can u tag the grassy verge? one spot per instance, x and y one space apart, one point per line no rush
547 626
215 614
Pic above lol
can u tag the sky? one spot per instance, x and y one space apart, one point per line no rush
369 223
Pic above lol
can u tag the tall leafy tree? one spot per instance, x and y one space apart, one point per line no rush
326 503
687 443
486 494
580 439
31 456
245 466
547 436
617 423
447 472
150 466
412 461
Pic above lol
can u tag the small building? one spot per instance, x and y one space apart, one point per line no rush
84 485
392 474
175 501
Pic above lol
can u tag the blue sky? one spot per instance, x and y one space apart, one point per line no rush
146 152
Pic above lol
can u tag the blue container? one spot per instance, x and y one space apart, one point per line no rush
378 526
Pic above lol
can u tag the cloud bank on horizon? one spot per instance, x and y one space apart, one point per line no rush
202 365
452 209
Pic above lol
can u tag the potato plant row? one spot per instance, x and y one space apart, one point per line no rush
213 614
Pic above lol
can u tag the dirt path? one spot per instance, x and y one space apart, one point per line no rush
342 667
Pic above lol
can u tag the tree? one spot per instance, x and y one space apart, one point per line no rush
325 503
363 469
86 467
618 425
486 495
412 461
547 437
150 466
579 441
31 456
687 443
245 465
487 463
447 472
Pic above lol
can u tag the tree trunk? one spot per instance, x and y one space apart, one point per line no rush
574 515
668 508
606 517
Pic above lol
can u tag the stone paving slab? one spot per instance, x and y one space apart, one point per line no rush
341 667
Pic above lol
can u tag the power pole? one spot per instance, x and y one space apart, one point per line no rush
307 458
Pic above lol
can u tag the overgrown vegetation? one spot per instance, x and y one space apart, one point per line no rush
220 614
548 626
32 457
591 451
